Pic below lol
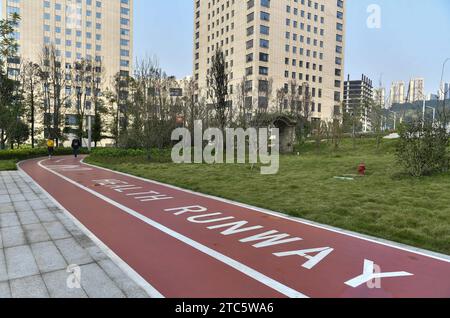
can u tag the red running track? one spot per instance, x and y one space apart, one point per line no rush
186 244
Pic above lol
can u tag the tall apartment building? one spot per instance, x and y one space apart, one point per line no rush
358 96
379 96
416 90
96 30
292 46
445 91
90 29
397 94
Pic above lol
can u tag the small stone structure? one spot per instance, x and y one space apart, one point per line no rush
287 133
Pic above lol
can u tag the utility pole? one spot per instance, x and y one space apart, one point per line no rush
423 112
434 114
395 119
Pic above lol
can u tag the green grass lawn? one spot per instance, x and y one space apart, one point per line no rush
7 165
385 203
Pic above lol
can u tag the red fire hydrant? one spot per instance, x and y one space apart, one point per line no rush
362 169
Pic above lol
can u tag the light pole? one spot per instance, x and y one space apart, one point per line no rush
442 89
395 119
424 111
434 113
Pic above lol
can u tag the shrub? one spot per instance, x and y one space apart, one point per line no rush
156 155
423 149
29 153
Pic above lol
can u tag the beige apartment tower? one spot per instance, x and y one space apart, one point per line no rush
79 29
275 49
97 30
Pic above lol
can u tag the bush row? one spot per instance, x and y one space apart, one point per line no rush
154 155
29 153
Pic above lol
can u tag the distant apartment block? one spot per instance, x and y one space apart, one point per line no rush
295 47
397 93
358 99
90 29
416 90
97 30
446 91
379 96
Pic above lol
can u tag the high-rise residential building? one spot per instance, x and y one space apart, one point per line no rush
416 90
432 97
447 90
379 96
397 94
274 48
358 99
100 31
78 29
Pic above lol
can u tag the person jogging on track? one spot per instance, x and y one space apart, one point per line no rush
76 145
50 147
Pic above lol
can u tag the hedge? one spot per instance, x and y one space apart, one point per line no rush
29 153
156 155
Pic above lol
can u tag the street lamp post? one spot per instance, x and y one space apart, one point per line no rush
434 113
423 112
395 119
442 89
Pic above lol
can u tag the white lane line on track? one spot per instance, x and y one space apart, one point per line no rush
397 246
269 282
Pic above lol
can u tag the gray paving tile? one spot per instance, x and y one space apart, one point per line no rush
27 218
69 225
29 287
50 204
96 253
3 271
4 198
20 262
22 206
35 233
1 240
84 241
9 219
58 288
13 236
45 215
97 284
73 252
18 197
48 257
31 196
128 286
56 230
5 292
38 204
6 208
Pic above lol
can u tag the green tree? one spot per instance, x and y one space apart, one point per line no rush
423 148
218 80
8 44
10 97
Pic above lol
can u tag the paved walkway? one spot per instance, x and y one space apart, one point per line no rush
38 242
185 244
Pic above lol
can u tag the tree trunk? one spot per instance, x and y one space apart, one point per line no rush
32 115
2 141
